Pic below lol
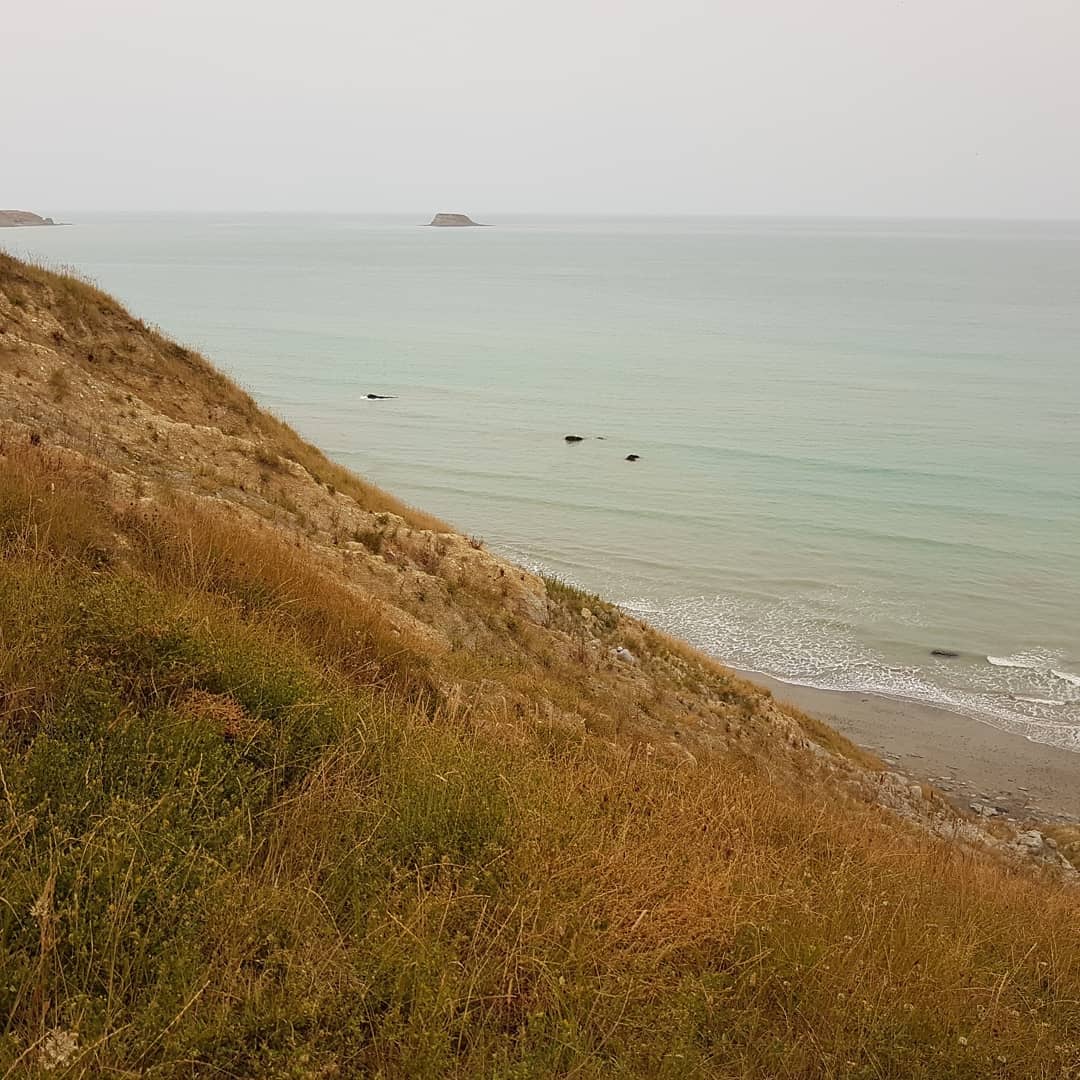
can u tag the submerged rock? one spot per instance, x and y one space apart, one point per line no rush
947 654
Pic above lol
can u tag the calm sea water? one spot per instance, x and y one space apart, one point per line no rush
859 441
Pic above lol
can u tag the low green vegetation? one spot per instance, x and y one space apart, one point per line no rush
232 846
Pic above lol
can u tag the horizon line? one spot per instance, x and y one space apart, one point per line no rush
569 214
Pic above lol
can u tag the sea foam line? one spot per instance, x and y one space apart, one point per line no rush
1032 662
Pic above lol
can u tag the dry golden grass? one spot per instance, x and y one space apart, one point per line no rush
247 828
337 478
91 328
413 898
820 732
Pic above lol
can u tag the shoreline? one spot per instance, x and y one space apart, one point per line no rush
967 760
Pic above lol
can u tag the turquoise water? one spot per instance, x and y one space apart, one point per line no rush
860 441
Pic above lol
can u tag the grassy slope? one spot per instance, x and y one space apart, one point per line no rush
247 830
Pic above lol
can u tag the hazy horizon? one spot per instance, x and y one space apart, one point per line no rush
516 216
902 110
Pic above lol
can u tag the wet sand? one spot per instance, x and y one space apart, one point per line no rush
965 759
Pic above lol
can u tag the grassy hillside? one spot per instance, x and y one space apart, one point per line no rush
294 782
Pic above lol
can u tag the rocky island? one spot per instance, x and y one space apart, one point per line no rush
11 218
453 221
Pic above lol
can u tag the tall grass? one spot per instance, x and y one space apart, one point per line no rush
250 828
237 839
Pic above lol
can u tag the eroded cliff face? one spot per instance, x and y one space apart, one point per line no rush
96 391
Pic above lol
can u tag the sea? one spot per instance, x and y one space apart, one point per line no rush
858 440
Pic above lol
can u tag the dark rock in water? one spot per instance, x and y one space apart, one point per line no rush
575 438
452 221
380 397
632 457
946 654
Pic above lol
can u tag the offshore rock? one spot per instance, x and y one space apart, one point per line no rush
453 221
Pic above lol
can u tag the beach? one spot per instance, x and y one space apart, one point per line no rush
967 760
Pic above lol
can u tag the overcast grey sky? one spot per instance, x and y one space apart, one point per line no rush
850 107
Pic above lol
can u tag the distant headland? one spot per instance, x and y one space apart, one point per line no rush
11 218
453 221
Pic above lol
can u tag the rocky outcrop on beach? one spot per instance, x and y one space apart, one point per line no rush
452 221
11 218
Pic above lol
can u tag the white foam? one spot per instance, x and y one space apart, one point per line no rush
1037 662
1024 661
806 640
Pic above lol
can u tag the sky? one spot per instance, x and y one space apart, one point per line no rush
954 108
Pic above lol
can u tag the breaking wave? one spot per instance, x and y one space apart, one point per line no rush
1035 661
806 641
806 638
